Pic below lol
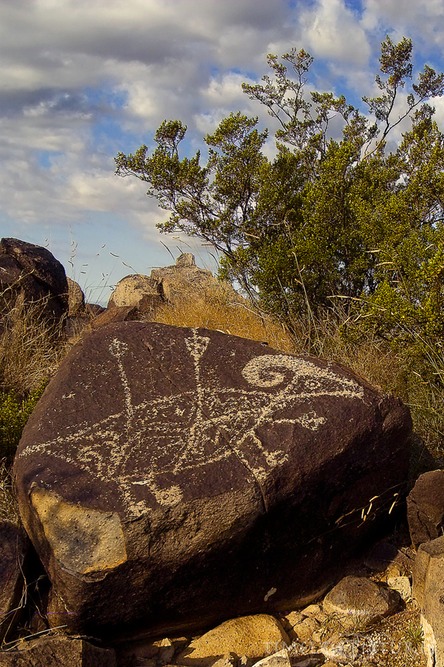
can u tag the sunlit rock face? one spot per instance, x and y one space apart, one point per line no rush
171 477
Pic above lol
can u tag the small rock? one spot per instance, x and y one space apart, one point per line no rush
311 610
317 636
76 299
394 570
251 636
402 585
313 660
305 629
227 661
293 618
279 659
166 650
357 601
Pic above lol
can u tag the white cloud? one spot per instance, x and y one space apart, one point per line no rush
83 79
333 31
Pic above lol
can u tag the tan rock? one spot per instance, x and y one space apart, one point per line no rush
311 610
251 636
315 611
76 299
358 601
93 540
166 650
402 585
305 629
428 590
293 618
279 659
135 291
182 279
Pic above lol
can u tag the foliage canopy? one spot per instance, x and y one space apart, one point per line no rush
348 211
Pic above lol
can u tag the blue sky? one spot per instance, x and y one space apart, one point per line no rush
83 79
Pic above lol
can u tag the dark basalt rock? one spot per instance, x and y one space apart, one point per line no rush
32 273
172 477
14 546
425 507
58 651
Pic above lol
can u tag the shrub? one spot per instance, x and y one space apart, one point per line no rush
14 413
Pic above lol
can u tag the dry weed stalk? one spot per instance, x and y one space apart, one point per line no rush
31 347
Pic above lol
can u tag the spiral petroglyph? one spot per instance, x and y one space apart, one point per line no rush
190 429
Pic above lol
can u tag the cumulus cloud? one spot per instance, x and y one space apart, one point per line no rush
82 80
333 32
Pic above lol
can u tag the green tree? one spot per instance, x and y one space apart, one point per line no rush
335 215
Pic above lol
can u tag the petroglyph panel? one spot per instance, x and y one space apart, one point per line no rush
156 446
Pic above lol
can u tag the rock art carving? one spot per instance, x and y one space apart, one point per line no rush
189 429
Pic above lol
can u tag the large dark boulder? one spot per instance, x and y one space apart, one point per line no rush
170 478
32 273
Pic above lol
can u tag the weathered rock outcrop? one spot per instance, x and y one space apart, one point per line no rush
136 291
76 299
32 273
428 590
169 284
358 601
169 476
425 507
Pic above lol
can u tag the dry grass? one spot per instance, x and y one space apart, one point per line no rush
8 502
329 338
31 348
223 310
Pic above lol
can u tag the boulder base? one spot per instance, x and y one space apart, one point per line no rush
170 477
57 651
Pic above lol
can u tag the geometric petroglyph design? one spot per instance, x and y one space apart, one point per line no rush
193 429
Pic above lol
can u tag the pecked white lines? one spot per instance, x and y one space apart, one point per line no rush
192 429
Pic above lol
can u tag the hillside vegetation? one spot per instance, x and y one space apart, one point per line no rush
31 350
340 235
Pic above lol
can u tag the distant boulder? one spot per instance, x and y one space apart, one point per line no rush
170 478
31 274
76 299
136 291
166 285
182 279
